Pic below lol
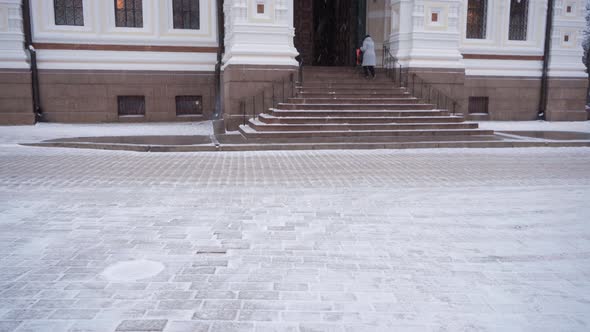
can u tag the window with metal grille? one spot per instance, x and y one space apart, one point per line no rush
68 12
476 19
186 14
131 105
519 10
129 13
478 105
189 105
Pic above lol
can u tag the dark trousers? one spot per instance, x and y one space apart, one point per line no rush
369 69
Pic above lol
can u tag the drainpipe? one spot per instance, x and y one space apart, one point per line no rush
26 9
220 35
546 53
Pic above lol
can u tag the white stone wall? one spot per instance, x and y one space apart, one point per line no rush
566 55
419 42
99 28
427 33
12 54
497 42
253 38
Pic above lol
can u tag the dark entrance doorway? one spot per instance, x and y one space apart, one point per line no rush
327 32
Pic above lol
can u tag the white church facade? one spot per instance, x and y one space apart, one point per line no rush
179 60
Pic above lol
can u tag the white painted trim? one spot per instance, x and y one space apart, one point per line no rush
123 60
514 68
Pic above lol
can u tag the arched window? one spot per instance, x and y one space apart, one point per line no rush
476 19
68 12
519 10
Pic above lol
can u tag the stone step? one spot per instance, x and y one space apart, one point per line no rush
268 118
351 85
357 113
347 77
353 90
357 107
258 125
352 93
360 101
249 132
328 69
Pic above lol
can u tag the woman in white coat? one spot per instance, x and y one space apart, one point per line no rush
369 58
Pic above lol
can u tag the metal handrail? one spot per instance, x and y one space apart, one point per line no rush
427 92
418 87
270 96
276 92
393 68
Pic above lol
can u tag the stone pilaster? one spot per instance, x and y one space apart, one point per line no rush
12 53
259 38
259 49
427 34
567 86
16 101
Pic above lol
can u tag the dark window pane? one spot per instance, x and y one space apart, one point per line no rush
79 15
139 19
478 105
189 105
131 105
68 12
476 19
519 10
185 14
121 18
129 13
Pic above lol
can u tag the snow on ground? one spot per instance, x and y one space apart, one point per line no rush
381 240
578 126
45 131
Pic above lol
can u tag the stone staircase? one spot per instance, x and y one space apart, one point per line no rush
339 105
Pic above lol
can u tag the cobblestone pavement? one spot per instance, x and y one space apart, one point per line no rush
427 240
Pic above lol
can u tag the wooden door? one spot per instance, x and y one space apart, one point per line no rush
304 30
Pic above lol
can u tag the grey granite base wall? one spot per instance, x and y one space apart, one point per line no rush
510 98
91 96
245 81
567 99
16 97
450 82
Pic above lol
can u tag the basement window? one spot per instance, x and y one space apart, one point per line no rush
478 105
189 105
131 105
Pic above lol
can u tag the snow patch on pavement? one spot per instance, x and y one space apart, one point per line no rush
578 126
46 131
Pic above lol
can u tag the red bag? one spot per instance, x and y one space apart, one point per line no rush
359 57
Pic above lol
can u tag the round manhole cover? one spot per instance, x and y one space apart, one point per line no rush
133 270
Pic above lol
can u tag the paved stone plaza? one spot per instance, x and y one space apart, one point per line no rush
428 240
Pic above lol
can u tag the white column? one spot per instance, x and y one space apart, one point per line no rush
427 34
259 32
12 53
566 39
